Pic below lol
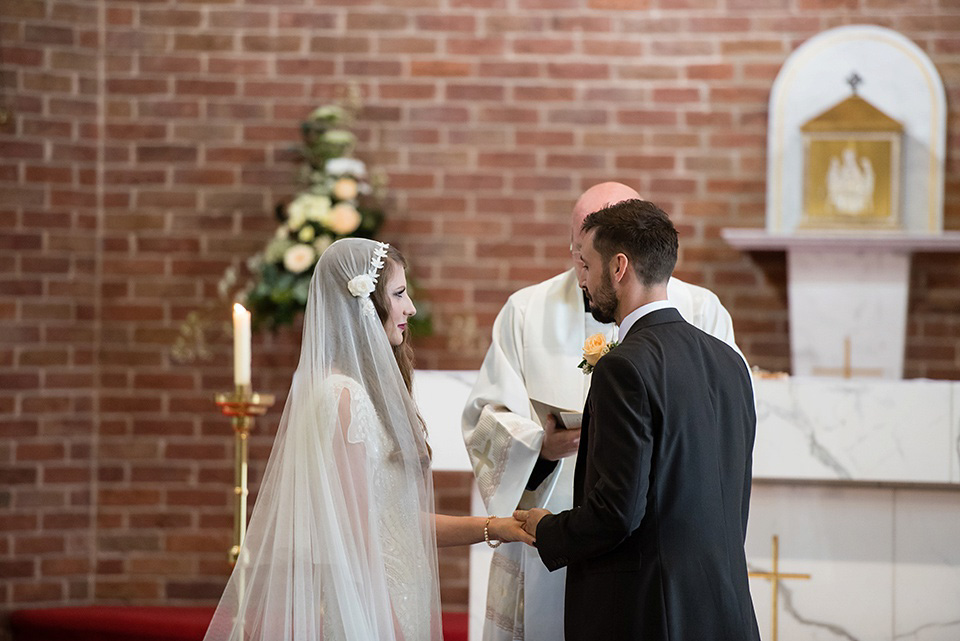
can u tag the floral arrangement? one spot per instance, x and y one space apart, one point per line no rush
595 348
338 200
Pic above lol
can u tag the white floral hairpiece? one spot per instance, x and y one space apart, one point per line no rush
363 285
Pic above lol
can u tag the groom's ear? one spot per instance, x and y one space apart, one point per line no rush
620 265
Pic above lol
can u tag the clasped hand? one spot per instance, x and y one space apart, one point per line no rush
530 519
509 529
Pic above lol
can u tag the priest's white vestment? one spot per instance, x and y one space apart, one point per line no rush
537 341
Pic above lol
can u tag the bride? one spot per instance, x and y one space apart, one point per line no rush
342 541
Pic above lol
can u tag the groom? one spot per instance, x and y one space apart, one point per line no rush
654 543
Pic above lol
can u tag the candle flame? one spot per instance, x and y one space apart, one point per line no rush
238 308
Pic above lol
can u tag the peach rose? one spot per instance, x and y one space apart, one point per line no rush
595 347
345 189
299 258
344 219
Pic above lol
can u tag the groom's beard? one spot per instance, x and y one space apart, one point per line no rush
603 303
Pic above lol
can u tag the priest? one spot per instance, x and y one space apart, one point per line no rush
538 338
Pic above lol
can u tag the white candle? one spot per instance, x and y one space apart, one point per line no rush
241 345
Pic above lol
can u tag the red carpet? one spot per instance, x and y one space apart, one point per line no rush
128 623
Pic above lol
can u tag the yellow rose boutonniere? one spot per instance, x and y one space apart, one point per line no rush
594 349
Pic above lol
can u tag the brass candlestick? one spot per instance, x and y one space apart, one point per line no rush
241 406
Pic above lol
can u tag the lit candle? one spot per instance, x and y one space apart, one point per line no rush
241 345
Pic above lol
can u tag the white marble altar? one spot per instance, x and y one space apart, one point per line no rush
831 429
860 479
884 562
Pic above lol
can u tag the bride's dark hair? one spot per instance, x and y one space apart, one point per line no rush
404 351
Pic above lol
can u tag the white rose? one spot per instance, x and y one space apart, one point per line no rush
317 207
296 216
299 258
344 219
362 285
346 167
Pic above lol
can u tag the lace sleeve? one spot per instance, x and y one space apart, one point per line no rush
357 414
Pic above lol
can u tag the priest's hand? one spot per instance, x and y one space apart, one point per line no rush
530 518
558 442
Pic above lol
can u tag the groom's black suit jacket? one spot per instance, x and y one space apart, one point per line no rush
654 543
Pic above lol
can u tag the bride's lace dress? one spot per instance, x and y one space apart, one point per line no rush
407 566
341 543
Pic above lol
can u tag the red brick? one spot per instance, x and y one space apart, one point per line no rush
440 68
619 5
16 522
578 70
234 18
10 149
510 69
49 35
541 138
18 475
65 566
511 115
608 47
17 381
438 114
646 162
576 161
578 116
166 199
511 22
39 452
168 17
203 42
506 159
193 543
30 545
540 94
34 592
359 22
127 590
310 17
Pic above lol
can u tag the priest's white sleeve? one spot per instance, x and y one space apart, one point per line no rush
501 439
715 319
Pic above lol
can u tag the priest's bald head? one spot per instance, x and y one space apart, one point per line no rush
594 199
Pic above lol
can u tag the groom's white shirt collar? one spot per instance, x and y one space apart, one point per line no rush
638 313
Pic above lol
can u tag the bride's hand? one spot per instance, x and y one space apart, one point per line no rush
509 530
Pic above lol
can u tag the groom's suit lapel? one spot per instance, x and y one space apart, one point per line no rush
658 317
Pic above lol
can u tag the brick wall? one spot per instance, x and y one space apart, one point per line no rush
148 146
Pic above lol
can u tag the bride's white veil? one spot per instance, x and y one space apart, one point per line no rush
341 542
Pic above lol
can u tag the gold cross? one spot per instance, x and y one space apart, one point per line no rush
775 577
483 458
847 371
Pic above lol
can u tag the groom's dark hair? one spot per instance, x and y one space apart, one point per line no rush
640 230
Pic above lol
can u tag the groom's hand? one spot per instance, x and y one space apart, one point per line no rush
530 518
558 442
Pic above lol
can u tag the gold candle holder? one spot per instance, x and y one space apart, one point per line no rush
241 406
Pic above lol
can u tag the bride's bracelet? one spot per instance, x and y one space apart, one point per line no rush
486 533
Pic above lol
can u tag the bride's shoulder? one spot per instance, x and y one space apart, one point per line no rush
335 384
339 381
